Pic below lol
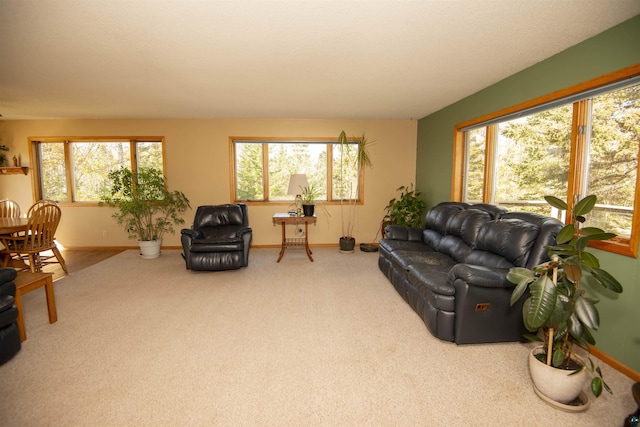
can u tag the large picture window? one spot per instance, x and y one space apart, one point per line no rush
582 141
261 168
74 170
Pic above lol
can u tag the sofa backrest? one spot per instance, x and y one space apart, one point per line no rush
435 224
548 229
516 239
219 215
452 227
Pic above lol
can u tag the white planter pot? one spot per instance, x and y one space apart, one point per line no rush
149 249
556 384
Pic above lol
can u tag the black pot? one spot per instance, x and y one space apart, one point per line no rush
308 209
347 244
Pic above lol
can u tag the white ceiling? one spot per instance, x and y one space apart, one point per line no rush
275 59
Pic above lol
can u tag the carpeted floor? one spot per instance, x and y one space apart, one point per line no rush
147 343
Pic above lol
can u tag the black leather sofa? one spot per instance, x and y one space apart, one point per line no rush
9 332
453 271
219 238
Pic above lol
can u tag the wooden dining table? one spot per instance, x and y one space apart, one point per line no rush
10 226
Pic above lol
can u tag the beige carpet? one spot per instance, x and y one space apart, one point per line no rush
147 343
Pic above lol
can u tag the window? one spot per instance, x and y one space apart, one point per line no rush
584 140
261 168
74 170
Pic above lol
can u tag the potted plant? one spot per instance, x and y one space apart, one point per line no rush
406 210
357 157
559 308
310 194
145 206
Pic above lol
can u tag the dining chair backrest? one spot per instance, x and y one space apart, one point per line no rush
38 204
9 209
42 225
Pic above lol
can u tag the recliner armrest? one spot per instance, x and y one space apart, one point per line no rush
6 302
397 232
193 234
477 275
243 231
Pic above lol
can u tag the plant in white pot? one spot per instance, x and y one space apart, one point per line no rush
559 307
353 157
145 206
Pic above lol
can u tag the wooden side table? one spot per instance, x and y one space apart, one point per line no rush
294 242
27 282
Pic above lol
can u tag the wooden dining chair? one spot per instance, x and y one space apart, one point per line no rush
9 209
38 204
42 224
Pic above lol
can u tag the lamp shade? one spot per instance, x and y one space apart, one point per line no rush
296 183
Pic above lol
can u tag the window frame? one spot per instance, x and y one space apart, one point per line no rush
622 246
330 142
34 155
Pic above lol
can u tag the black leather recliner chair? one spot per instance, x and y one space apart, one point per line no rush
9 332
219 238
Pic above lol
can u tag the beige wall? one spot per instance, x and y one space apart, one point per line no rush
197 156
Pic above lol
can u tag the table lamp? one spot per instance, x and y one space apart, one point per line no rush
297 183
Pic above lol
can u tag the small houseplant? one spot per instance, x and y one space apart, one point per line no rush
144 205
358 157
310 194
405 210
558 305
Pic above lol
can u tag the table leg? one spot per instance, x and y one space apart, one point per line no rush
306 240
51 300
284 242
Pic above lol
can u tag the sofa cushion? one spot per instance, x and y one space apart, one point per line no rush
218 245
391 245
404 259
431 277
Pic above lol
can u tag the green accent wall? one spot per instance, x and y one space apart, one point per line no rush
612 50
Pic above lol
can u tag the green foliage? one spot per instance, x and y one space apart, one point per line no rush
561 307
310 194
143 203
533 158
406 210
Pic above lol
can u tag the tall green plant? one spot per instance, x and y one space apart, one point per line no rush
558 304
143 203
360 158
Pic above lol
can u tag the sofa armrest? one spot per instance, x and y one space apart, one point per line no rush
397 232
477 275
6 302
191 233
243 231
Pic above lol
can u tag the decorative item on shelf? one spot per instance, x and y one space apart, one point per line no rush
297 183
15 162
558 307
144 205
3 156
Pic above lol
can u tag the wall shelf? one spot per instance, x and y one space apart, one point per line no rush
14 170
